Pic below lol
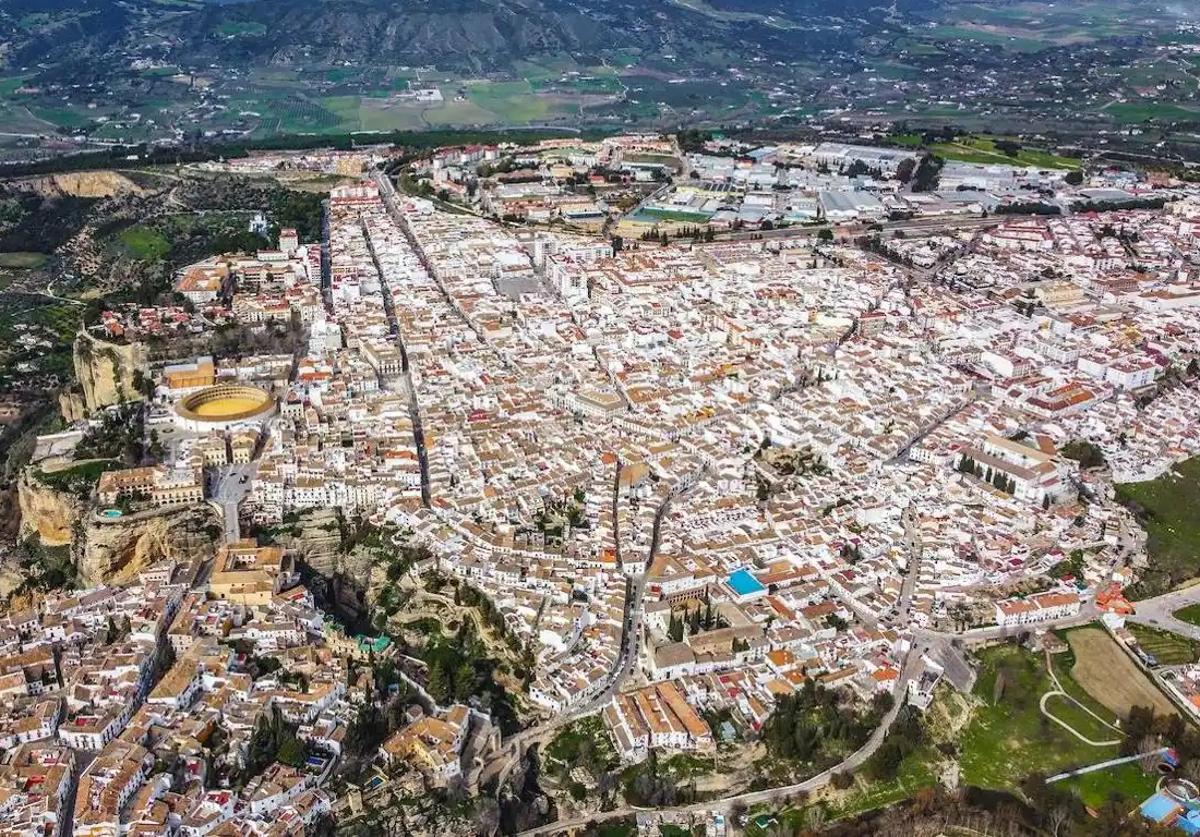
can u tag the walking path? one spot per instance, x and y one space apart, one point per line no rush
1060 692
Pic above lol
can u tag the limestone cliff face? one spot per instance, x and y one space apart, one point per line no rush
114 551
46 512
107 372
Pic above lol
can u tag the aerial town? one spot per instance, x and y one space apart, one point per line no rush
683 442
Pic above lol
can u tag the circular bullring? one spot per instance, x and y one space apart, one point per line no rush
222 406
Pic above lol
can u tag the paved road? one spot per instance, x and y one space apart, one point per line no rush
1158 612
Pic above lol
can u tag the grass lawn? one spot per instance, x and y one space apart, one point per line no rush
145 243
1009 738
1167 508
1126 781
1085 724
1170 649
77 479
22 260
1189 614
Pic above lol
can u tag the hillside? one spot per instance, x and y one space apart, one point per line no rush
138 70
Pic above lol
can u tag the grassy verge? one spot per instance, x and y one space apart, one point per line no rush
1189 614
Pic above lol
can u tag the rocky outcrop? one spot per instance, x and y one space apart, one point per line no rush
315 538
113 551
81 184
46 512
108 373
70 404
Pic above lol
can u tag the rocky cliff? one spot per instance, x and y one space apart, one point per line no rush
70 404
46 512
115 550
108 373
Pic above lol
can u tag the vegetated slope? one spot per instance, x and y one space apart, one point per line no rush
474 35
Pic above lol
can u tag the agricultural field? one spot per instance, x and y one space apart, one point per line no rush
1107 673
1168 648
1136 112
1167 510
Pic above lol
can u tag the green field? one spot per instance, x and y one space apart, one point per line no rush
22 260
11 84
672 215
513 101
1010 738
1013 43
1167 507
1168 648
233 29
145 243
1132 112
65 116
1126 781
981 149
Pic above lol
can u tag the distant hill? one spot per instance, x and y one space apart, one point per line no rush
476 35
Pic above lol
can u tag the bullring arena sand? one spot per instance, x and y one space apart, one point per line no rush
221 407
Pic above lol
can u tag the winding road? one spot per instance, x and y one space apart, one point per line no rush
777 794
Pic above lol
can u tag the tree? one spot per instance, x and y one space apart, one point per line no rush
437 684
825 234
675 628
464 680
290 750
925 178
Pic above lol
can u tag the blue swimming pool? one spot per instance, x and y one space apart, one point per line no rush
744 584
